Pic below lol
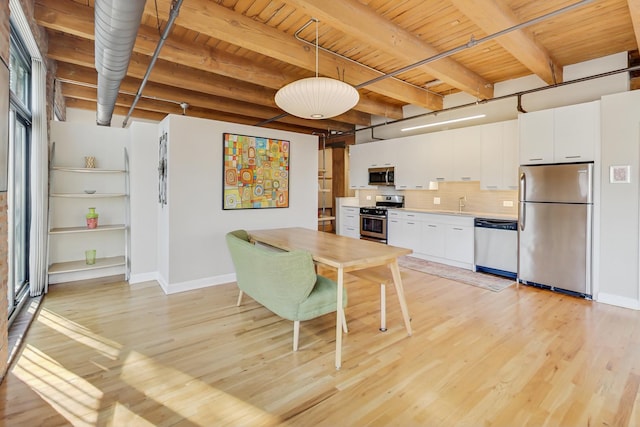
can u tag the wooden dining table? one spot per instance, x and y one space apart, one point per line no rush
343 254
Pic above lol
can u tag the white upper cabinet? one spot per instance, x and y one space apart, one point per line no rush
560 135
378 154
510 151
576 132
438 162
358 167
499 156
466 148
411 172
381 154
536 137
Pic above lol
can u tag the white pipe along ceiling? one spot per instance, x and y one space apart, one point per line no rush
116 27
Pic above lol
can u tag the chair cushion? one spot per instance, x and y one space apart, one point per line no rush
280 281
321 300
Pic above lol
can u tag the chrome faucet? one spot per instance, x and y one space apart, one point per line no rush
461 204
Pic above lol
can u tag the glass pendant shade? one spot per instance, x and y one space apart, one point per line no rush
317 98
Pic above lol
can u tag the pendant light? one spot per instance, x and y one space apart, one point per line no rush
317 97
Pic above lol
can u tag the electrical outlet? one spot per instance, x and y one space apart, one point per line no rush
507 203
368 197
436 200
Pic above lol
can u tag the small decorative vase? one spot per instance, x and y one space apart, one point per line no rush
90 256
89 162
92 218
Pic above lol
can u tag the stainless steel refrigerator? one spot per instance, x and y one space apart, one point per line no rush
555 227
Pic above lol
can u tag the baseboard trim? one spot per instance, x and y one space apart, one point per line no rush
618 301
173 288
143 277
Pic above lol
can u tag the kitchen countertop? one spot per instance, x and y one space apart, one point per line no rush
463 213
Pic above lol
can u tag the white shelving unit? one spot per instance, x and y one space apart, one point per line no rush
326 218
69 236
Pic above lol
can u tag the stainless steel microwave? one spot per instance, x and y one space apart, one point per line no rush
381 176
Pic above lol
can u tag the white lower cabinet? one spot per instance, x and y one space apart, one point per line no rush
443 238
459 244
433 237
349 222
395 234
411 231
398 226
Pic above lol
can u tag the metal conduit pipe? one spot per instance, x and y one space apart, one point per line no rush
116 27
175 9
471 43
498 98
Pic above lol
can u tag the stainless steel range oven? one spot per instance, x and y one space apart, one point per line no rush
373 219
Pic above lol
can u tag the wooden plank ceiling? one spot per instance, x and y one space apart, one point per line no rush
227 58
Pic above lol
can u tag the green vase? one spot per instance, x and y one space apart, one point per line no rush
92 218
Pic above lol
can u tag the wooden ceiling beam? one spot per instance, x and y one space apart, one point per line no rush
86 76
87 93
76 19
634 11
492 17
224 24
80 52
122 110
358 20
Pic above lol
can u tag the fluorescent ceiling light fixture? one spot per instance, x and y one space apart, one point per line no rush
317 97
461 119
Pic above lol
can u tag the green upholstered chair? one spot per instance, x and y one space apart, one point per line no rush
286 283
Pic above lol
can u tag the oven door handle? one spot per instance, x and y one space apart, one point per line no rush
372 216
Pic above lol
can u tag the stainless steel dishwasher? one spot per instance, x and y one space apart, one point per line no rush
496 246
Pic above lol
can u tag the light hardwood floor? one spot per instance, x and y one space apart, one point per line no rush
120 355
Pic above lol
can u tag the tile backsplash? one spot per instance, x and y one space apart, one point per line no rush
477 200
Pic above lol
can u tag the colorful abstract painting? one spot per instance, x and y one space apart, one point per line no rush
256 172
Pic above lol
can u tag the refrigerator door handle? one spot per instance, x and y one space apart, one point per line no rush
523 186
523 193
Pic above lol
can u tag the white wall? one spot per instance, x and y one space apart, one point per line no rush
619 208
143 178
192 249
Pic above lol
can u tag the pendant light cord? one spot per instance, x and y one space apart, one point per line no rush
316 47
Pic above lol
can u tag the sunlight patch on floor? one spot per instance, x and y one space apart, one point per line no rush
79 333
176 391
58 380
71 396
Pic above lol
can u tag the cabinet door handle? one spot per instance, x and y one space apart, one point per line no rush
536 160
433 226
466 178
572 157
457 229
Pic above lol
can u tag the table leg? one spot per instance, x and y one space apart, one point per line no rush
397 281
383 308
339 318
